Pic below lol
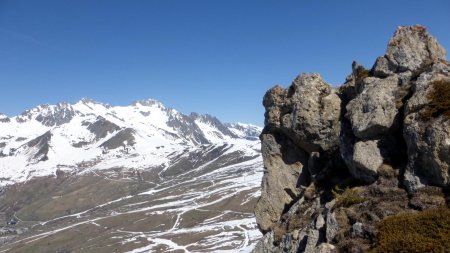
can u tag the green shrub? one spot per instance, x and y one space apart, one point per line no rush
348 197
439 99
427 231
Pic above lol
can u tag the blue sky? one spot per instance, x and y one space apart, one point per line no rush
213 56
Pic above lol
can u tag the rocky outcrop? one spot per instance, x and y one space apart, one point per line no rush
339 160
302 123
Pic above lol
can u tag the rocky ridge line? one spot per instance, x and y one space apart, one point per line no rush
367 140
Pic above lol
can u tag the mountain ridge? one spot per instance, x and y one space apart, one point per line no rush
136 178
99 129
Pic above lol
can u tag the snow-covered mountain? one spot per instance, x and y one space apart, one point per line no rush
70 137
90 177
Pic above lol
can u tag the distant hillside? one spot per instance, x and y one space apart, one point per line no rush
90 177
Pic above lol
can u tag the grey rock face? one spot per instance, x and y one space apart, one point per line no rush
49 115
413 47
373 112
63 113
308 112
186 127
306 119
429 150
366 160
284 168
312 239
428 140
123 139
101 127
383 67
276 105
266 244
213 121
331 226
40 145
315 115
381 116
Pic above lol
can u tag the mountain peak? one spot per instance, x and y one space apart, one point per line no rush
4 118
148 102
90 101
89 129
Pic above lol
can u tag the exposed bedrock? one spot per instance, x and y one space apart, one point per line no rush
340 159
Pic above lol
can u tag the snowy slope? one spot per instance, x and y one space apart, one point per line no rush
97 136
137 178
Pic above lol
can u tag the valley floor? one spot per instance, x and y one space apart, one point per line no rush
205 209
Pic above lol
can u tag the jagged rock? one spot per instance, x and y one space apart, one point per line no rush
307 116
413 47
373 112
383 68
428 150
308 112
267 245
382 115
284 164
275 102
439 70
312 239
331 226
40 147
428 140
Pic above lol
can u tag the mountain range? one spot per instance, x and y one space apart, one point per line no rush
144 176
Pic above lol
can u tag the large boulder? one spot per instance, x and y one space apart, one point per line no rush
373 112
366 160
308 112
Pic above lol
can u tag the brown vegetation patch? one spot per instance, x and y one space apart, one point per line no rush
439 100
427 231
347 197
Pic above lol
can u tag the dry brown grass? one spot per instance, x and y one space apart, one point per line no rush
427 231
347 197
439 100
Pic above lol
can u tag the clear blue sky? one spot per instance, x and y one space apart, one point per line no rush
213 56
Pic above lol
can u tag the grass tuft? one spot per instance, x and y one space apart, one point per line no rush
347 197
